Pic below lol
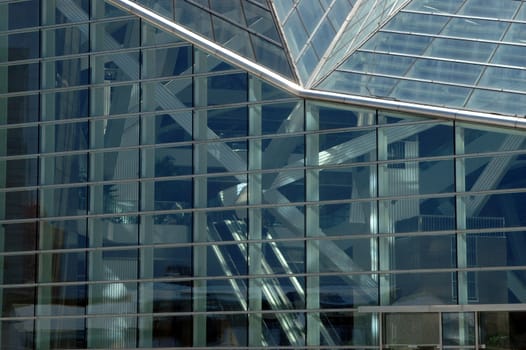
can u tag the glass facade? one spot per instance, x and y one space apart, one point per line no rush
153 195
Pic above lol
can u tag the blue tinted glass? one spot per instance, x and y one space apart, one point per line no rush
21 109
495 211
495 249
461 49
63 267
344 219
423 288
495 172
19 141
417 23
20 301
497 101
226 259
475 28
445 71
19 172
19 205
228 122
369 62
496 287
64 169
69 201
510 55
64 137
280 117
338 292
225 89
168 195
65 234
167 62
21 14
431 93
489 8
19 46
361 84
66 41
19 237
162 7
65 104
427 252
436 6
398 43
21 77
66 73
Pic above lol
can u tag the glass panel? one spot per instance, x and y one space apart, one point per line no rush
345 218
416 215
167 62
106 133
494 173
445 71
167 95
281 152
167 331
417 23
114 332
226 295
114 165
63 234
368 62
170 161
226 89
65 105
227 260
21 14
440 6
63 13
167 195
347 291
18 205
59 333
154 36
397 179
64 137
69 40
431 93
283 257
502 330
504 78
411 329
278 118
479 139
422 289
69 201
18 334
166 228
162 7
18 237
225 123
115 35
21 78
19 141
20 109
488 8
111 100
461 49
344 147
19 172
62 267
398 43
346 183
17 302
497 101
112 232
458 328
362 84
225 156
495 211
496 287
114 198
427 252
422 140
348 328
21 46
346 255
64 169
171 296
19 269
226 330
115 67
283 222
495 249
166 128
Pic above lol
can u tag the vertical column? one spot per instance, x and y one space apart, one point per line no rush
312 226
255 222
385 225
200 199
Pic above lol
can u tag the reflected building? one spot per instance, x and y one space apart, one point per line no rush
298 174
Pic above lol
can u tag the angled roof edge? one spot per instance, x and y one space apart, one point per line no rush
298 90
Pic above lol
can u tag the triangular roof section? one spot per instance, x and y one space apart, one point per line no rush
309 28
246 27
366 17
463 54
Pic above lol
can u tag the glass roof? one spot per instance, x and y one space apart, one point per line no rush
310 26
454 53
244 26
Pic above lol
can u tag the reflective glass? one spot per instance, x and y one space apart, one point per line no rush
193 17
461 49
167 195
347 291
232 36
21 14
343 147
20 77
496 101
166 62
496 287
114 165
397 179
283 329
283 222
166 228
488 8
67 333
68 11
166 128
222 157
154 36
504 78
398 43
18 332
64 137
114 67
20 109
436 6
18 237
162 7
112 332
69 201
63 234
358 83
422 288
21 46
494 249
346 183
416 215
70 40
19 172
114 198
170 161
475 28
345 255
62 267
458 328
121 132
19 269
262 91
18 205
115 35
281 152
283 257
223 191
225 89
445 71
295 33
63 169
480 139
100 10
494 211
65 104
115 99
114 231
369 62
494 173
167 95
226 330
166 331
348 328
225 123
282 117
227 295
417 23
226 259
501 329
324 117
345 218
509 55
431 93
411 328
17 302
173 263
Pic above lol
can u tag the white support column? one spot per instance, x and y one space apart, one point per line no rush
200 201
255 222
312 227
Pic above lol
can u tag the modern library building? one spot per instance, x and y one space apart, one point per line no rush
248 174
